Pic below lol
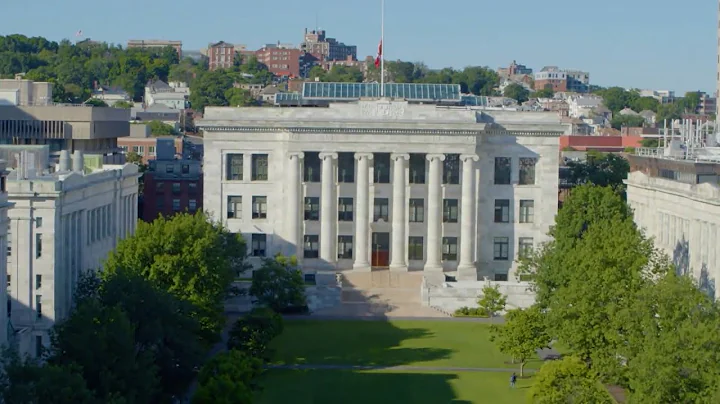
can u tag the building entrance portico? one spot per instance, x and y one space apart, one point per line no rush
380 250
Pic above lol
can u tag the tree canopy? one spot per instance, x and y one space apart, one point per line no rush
517 92
522 334
228 378
567 381
602 169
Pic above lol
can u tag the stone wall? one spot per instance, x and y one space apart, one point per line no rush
451 296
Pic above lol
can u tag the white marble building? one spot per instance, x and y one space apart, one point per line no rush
385 184
5 205
62 224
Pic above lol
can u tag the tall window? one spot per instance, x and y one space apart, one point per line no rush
311 246
345 247
382 209
346 168
176 205
381 169
160 203
234 207
185 169
525 247
417 210
176 188
502 170
160 187
527 170
345 209
38 346
417 168
501 246
260 167
259 244
502 210
312 208
192 205
449 251
38 305
312 167
527 211
451 169
259 207
415 248
450 210
192 188
38 245
38 281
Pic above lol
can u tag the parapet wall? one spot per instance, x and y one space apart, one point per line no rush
451 296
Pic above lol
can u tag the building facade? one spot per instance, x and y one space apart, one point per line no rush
25 92
221 55
553 80
317 43
280 61
381 183
62 224
5 205
156 44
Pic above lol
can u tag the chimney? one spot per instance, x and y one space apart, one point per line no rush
65 163
78 161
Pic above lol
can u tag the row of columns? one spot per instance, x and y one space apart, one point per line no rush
398 261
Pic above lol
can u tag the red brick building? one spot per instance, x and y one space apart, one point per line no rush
600 143
220 55
280 61
143 143
172 186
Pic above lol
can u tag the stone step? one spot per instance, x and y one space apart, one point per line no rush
382 279
381 295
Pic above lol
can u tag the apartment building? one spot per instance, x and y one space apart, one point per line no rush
280 60
317 43
221 55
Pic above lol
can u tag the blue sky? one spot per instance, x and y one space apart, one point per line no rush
658 44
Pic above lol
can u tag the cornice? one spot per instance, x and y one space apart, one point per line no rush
377 131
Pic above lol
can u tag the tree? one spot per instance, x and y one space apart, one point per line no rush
209 89
158 128
522 335
669 112
133 157
187 255
544 93
123 105
279 285
567 381
517 92
238 97
601 169
228 378
492 301
617 98
649 142
632 121
645 103
94 102
253 332
690 102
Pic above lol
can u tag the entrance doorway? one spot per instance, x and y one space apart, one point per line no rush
380 249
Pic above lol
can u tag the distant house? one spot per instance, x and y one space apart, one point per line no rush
110 95
628 111
157 112
159 92
267 95
582 106
649 116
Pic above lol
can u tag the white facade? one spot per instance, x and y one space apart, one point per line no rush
684 220
5 205
363 206
62 224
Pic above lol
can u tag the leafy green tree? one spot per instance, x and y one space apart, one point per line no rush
194 259
522 335
253 332
492 301
238 97
158 128
94 102
669 112
342 74
228 378
690 102
279 285
649 142
617 98
209 89
133 157
544 93
123 105
632 121
601 169
567 381
645 103
517 92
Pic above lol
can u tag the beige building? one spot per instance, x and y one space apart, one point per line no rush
25 92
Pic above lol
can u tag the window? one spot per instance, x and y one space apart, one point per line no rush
38 222
345 209
192 188
192 205
527 211
346 168
312 167
9 246
500 248
381 168
415 248
159 187
527 170
260 167
449 251
450 210
38 346
311 246
139 149
38 245
185 168
259 243
38 281
502 210
9 281
176 205
417 210
345 247
234 207
169 168
501 277
151 149
417 168
160 203
451 169
312 208
502 170
234 167
259 207
381 210
525 247
38 305
176 188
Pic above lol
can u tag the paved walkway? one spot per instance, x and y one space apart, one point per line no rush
400 367
320 317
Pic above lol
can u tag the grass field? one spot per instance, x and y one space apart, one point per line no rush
394 343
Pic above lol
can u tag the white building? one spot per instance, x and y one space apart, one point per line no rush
5 205
582 106
173 95
62 224
385 184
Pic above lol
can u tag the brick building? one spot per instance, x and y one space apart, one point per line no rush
281 61
221 55
317 43
143 143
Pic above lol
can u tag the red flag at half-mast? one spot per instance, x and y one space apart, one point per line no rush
379 55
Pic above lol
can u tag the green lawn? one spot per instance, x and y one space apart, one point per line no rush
412 343
382 387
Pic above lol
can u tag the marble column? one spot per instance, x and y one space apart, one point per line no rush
293 203
362 212
398 260
328 213
434 214
466 267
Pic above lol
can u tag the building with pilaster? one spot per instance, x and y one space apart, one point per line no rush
64 222
5 205
385 183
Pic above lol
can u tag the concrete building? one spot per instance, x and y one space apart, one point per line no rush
378 183
25 92
578 81
110 95
142 142
6 334
717 89
221 55
172 96
156 44
675 193
63 223
325 48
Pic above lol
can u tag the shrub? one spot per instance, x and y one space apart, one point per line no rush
253 332
279 285
470 312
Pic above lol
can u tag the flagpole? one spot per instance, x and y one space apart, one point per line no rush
382 53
